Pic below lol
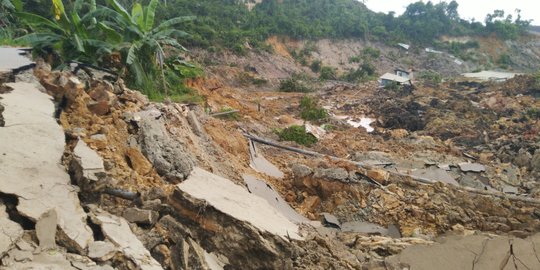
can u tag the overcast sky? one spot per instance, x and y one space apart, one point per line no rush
468 9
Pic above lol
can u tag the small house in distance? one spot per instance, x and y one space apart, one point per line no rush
400 77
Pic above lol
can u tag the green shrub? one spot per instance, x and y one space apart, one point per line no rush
310 110
370 53
354 59
316 66
430 77
327 73
293 85
364 72
504 60
297 134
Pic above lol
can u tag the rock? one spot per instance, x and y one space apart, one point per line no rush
195 124
139 216
99 107
46 230
339 174
2 122
523 158
175 230
471 167
169 157
155 193
378 175
31 164
399 133
118 232
535 161
138 161
101 250
301 171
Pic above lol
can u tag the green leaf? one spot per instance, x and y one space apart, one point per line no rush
38 21
174 21
78 43
110 33
132 53
120 9
150 14
137 15
40 39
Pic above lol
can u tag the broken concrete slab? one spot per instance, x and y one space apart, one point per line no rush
89 162
46 230
11 233
472 167
477 251
237 202
265 191
31 163
117 230
261 164
12 58
435 175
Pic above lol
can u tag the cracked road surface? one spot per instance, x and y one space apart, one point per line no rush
477 252
30 158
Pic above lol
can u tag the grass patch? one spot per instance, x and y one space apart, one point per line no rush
310 110
297 134
293 84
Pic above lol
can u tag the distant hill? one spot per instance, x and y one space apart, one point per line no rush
535 29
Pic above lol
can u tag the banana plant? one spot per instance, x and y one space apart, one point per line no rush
72 36
143 43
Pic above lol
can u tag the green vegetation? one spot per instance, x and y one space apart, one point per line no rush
431 78
228 24
364 72
504 60
130 43
297 134
316 66
294 84
310 110
327 73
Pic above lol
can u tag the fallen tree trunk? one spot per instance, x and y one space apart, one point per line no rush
395 173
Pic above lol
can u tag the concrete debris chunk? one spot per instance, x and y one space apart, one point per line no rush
435 175
101 250
237 202
31 163
46 230
301 171
117 230
140 216
91 164
330 220
265 191
472 167
261 164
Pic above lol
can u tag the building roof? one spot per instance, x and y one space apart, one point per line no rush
394 77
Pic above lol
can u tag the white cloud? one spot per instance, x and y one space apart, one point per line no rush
468 9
